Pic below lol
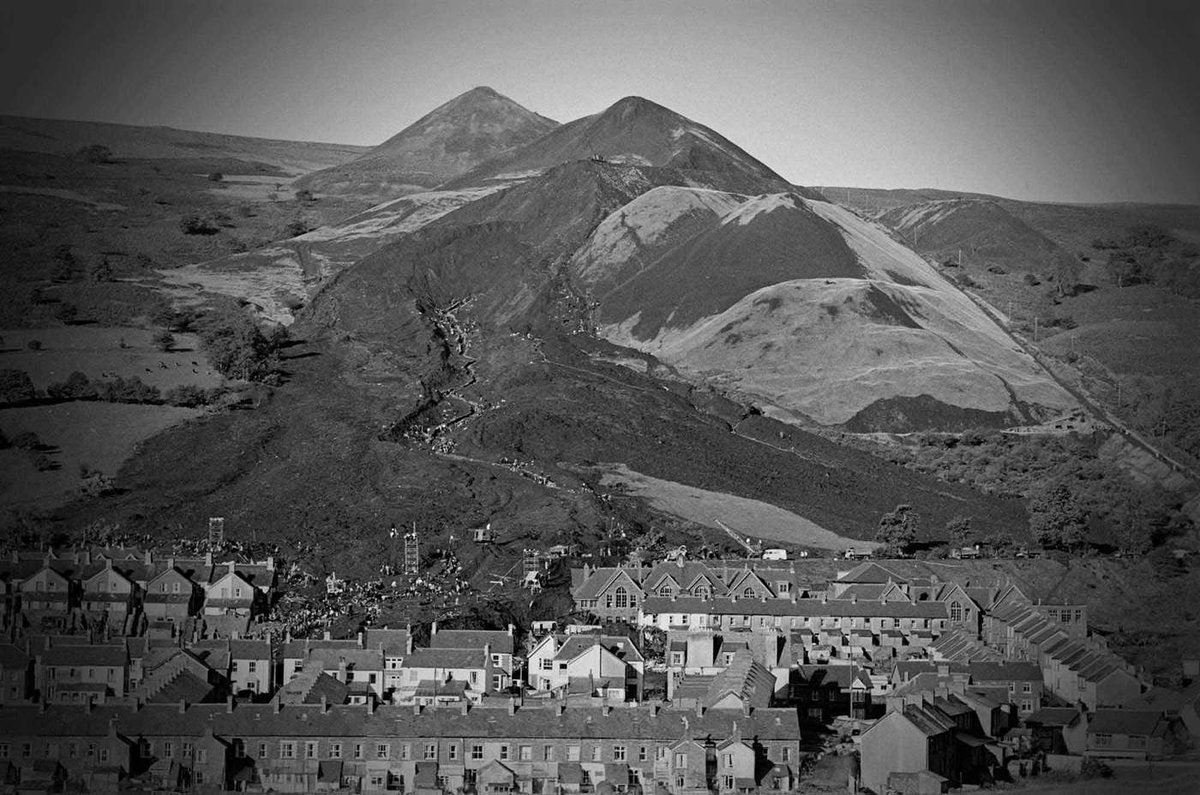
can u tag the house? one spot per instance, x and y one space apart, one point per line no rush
912 738
608 593
295 652
736 768
395 645
16 675
251 667
171 596
1129 734
110 594
611 664
1059 730
47 590
358 668
425 669
231 594
499 644
823 692
81 673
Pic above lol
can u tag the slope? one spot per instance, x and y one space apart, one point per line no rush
639 132
820 314
448 141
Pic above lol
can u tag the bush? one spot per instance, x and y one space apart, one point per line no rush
297 228
189 396
94 483
27 440
34 345
16 386
95 153
76 387
1031 279
44 463
127 390
164 340
216 176
193 224
304 195
101 271
67 313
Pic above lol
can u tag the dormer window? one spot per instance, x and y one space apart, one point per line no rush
666 589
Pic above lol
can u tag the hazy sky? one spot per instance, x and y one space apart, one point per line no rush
1043 99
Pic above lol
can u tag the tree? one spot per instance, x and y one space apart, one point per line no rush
237 348
101 271
16 386
296 228
67 313
164 340
94 483
216 176
76 387
192 224
304 195
898 529
959 531
95 153
63 267
27 440
1056 519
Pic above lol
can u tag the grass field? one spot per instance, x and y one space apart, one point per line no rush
100 435
97 353
712 509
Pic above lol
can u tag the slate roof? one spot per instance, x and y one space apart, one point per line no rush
1127 721
843 676
1006 671
98 655
445 658
389 721
499 640
801 608
358 659
1054 716
930 721
12 658
746 678
576 645
594 584
393 642
310 686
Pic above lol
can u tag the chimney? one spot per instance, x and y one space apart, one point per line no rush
327 635
147 558
943 669
324 704
560 708
270 562
208 558
170 563
416 708
511 629
464 707
853 598
182 707
276 705
232 567
699 710
512 706
607 710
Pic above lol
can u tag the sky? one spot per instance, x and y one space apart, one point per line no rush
1053 100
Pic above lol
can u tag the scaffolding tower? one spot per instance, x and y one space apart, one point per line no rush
216 533
412 552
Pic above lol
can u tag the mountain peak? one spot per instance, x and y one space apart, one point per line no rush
453 138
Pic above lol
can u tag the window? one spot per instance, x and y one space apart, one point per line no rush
956 611
1103 740
1012 687
816 695
404 750
1137 741
201 755
358 751
547 753
666 590
642 756
474 677
1026 687
504 752
546 664
477 752
680 760
430 751
262 750
376 781
1026 706
1078 616
452 752
310 750
679 782
497 681
785 754
525 753
174 587
618 753
727 782
198 776
748 591
3 750
596 752
168 749
815 713
703 591
572 753
335 751
287 750
622 597
382 750
252 667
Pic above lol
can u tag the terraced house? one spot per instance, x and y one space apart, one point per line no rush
410 749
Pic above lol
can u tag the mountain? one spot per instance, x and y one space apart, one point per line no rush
448 141
636 131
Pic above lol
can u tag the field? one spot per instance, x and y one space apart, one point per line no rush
751 518
103 353
101 436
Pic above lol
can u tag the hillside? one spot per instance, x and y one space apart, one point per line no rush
59 137
810 310
450 140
